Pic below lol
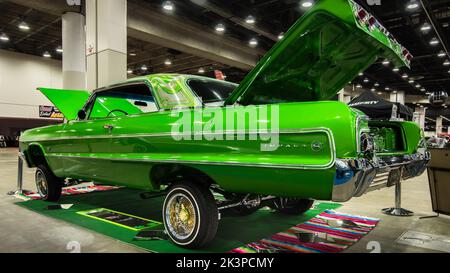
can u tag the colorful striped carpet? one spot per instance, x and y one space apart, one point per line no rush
329 232
76 190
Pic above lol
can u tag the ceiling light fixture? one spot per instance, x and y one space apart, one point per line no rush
253 42
168 6
425 27
133 54
144 68
380 93
250 20
446 63
280 36
359 86
411 81
412 5
201 70
441 54
307 3
46 55
404 76
434 41
59 49
130 71
377 84
24 26
366 80
168 62
373 90
386 62
220 28
4 37
396 69
360 74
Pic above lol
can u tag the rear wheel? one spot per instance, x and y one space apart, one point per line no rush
291 206
48 185
190 215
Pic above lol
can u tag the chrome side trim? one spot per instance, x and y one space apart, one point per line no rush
231 163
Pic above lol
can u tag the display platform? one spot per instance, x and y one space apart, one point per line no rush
234 231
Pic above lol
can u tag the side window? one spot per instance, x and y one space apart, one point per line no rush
172 93
132 99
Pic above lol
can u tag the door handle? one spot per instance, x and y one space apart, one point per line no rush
108 127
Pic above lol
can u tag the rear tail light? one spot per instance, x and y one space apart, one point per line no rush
362 14
372 21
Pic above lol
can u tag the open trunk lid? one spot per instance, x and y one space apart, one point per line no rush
324 50
69 102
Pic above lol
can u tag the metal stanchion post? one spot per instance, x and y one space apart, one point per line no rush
398 210
19 189
20 176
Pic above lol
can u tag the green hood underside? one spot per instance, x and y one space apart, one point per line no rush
324 50
69 102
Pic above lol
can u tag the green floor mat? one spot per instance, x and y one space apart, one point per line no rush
233 231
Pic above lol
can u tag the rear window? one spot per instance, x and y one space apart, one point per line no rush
211 91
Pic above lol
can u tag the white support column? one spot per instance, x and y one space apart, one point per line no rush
342 96
439 121
74 58
398 96
421 112
106 45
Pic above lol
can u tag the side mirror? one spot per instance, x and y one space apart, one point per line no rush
81 115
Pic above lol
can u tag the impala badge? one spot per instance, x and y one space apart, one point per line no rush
317 146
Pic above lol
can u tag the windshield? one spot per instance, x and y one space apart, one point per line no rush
212 92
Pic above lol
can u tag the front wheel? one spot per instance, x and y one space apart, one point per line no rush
291 206
48 185
190 215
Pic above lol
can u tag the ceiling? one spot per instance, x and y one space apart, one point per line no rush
273 17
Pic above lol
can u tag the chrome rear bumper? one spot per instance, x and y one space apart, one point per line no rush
355 177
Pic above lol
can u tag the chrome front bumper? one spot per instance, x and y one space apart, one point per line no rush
355 177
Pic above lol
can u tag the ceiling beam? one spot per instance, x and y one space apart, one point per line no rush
237 20
172 32
434 22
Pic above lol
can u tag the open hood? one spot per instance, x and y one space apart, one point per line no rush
324 50
69 102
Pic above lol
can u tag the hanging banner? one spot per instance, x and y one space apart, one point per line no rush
50 112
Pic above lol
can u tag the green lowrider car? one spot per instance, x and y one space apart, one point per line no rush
272 140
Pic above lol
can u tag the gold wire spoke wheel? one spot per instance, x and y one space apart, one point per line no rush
41 183
180 212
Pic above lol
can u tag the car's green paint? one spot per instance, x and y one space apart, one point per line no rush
317 57
139 146
86 150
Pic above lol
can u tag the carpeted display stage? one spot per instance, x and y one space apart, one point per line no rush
235 233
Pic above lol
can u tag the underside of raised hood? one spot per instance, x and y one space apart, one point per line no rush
324 50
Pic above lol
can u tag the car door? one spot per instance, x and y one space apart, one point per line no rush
136 107
87 143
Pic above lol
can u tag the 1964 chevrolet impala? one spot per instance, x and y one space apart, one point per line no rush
324 150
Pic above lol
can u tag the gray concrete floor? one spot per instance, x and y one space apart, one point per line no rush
24 231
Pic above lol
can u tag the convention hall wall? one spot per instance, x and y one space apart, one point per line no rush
20 74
